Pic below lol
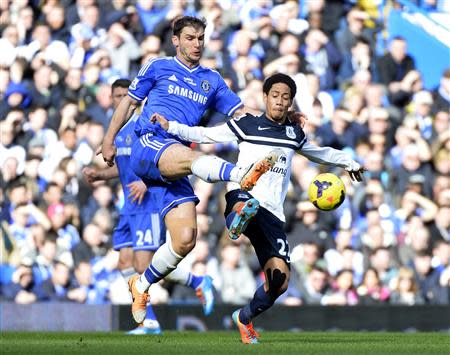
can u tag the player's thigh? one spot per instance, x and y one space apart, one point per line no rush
176 161
181 222
142 259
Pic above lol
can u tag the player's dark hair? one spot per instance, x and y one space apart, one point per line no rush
120 83
280 78
187 21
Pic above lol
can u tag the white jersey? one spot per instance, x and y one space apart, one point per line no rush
257 136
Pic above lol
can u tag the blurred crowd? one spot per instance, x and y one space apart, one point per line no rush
389 243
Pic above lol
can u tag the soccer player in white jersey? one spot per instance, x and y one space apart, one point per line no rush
257 135
181 89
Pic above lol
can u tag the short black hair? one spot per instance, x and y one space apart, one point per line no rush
120 83
280 78
187 21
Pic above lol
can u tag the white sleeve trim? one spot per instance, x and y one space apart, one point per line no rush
134 97
234 108
328 156
217 134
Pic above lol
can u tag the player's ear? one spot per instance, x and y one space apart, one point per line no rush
175 41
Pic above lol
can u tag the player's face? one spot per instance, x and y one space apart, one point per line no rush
189 45
117 95
278 101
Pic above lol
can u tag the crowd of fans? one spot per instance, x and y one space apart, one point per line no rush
388 243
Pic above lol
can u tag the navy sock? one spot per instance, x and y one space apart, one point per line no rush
261 302
230 218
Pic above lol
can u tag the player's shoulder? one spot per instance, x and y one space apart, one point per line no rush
156 62
244 122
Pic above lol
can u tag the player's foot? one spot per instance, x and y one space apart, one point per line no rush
248 334
245 212
139 305
257 169
205 292
143 330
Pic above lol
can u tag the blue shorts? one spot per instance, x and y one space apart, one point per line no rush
265 231
141 231
145 154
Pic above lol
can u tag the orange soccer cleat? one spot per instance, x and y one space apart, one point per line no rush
248 334
257 169
139 305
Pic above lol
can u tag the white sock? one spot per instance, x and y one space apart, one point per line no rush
210 168
180 275
164 261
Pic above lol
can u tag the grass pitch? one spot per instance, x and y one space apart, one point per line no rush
226 343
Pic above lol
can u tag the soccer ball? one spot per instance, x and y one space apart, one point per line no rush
326 192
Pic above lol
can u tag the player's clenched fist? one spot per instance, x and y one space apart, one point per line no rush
108 153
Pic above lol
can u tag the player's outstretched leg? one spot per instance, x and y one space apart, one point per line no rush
212 169
257 169
238 220
248 334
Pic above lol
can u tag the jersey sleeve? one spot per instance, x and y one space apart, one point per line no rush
328 156
143 82
197 134
226 101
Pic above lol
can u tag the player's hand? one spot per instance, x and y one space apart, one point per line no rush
90 175
137 191
298 117
108 153
156 117
356 171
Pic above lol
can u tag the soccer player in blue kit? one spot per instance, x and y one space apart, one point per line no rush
259 214
181 89
140 230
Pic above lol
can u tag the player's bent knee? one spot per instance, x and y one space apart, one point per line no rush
184 241
125 259
277 282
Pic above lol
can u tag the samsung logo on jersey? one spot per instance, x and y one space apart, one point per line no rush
124 151
176 90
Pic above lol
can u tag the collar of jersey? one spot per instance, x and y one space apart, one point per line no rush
272 123
190 70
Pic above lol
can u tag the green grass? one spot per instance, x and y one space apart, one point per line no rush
278 343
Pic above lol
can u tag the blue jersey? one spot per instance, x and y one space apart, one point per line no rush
123 141
179 93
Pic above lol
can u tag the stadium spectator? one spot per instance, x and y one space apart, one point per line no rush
232 270
405 291
314 287
371 291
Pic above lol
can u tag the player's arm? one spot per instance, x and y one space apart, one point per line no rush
119 118
217 134
331 156
92 175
